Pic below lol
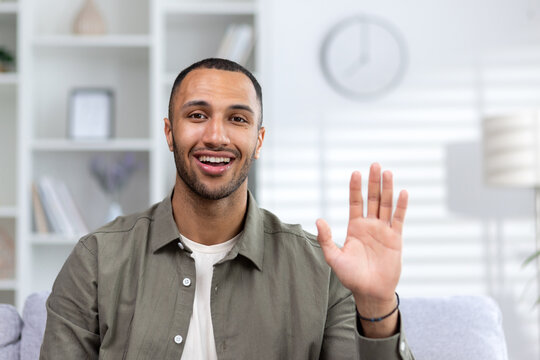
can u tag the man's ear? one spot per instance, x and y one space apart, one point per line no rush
260 139
168 133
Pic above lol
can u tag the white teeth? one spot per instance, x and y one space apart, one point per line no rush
213 159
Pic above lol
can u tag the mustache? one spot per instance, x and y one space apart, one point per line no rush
233 152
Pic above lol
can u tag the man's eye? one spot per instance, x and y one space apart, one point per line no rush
239 119
197 116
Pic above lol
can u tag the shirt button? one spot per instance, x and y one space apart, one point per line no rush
178 339
402 346
186 281
180 245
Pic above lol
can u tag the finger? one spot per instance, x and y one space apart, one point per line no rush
385 210
374 191
356 202
399 213
324 237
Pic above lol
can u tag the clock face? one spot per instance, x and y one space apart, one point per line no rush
363 57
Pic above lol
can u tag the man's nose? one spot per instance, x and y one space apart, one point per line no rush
215 133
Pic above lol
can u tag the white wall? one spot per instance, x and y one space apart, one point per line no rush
467 59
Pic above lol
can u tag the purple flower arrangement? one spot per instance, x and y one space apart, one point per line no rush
112 177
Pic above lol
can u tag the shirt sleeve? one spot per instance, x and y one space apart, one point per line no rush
342 336
72 329
393 347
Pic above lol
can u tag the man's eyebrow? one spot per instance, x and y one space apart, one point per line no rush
195 103
242 107
206 104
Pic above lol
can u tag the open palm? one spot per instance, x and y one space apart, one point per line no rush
369 263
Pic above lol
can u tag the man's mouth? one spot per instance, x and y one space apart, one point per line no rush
214 164
214 160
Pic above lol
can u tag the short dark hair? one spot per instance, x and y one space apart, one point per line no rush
218 64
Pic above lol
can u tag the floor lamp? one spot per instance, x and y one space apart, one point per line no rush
512 159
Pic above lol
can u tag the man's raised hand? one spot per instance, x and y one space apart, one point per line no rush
369 263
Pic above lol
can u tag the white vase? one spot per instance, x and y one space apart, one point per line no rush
115 210
89 20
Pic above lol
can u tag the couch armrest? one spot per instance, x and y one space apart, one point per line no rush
10 332
454 328
35 318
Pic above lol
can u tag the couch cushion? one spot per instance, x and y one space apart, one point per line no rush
34 317
454 328
10 332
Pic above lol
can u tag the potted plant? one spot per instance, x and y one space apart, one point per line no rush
6 59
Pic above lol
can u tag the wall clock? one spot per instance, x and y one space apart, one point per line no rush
363 57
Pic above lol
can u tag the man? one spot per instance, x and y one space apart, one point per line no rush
206 274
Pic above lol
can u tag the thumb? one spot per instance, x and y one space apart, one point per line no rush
324 237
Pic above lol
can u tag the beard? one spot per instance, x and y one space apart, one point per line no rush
198 188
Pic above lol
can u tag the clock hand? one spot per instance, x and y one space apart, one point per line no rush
364 43
363 59
354 67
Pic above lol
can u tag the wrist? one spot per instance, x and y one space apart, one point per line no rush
379 330
378 318
374 307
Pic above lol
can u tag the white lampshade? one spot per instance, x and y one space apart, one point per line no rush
512 149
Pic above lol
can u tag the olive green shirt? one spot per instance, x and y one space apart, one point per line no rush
126 292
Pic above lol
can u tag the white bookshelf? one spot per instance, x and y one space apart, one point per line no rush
210 8
9 123
54 63
10 7
66 145
106 41
8 78
138 60
8 285
8 212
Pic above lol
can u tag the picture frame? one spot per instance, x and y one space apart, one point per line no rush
91 114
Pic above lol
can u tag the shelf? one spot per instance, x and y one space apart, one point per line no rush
210 8
9 7
55 239
7 284
8 212
80 145
106 41
8 78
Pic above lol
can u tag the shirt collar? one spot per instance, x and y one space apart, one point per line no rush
250 244
164 229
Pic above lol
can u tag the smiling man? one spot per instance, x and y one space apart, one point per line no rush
207 274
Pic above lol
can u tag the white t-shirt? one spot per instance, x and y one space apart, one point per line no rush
200 342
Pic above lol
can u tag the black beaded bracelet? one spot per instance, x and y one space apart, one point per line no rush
382 317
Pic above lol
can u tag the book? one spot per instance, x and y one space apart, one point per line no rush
71 209
48 206
237 43
60 208
224 48
41 223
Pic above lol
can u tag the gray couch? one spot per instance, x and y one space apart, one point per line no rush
21 338
453 328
